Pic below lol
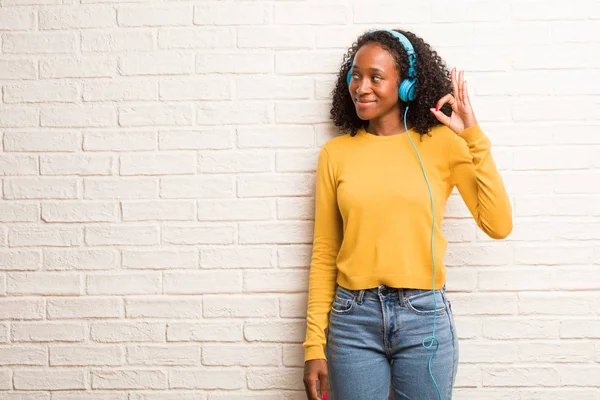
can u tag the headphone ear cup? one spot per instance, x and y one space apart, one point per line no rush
406 91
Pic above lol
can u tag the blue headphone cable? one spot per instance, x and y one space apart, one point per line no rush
431 339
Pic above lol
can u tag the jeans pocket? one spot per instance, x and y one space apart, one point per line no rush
426 303
344 301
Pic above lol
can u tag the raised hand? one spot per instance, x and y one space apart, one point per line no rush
462 116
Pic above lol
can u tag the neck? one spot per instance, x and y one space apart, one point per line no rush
389 124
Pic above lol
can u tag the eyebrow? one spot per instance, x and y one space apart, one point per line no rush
372 69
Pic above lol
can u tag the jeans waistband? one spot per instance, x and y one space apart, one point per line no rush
387 291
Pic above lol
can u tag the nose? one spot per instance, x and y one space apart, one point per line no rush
363 86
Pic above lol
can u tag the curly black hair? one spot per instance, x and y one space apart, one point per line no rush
433 82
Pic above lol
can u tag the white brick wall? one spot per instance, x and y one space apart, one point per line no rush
157 163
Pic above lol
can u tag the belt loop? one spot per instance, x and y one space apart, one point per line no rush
401 296
360 296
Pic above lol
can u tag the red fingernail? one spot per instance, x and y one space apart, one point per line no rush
436 107
324 396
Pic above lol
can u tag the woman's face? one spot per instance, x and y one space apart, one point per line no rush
374 83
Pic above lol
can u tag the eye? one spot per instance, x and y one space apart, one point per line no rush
377 78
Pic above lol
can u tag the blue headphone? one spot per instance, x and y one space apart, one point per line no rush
406 91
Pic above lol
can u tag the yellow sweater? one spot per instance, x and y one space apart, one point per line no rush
373 212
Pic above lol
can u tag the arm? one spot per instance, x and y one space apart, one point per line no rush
474 173
323 270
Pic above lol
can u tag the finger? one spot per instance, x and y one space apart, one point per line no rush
453 80
324 380
443 118
466 95
461 94
311 389
447 99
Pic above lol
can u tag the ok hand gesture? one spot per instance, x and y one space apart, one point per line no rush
462 116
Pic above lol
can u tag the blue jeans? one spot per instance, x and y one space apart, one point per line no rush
374 342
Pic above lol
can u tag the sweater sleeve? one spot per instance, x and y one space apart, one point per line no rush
328 232
480 185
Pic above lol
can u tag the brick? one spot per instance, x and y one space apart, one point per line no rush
128 379
78 116
171 355
164 307
21 308
91 395
39 43
166 210
307 62
76 17
117 332
296 161
121 188
519 328
174 15
17 19
552 255
191 188
40 188
256 62
276 233
85 355
172 163
234 210
19 117
194 235
207 378
216 88
122 235
293 306
274 281
565 352
80 259
294 256
84 307
120 140
582 329
217 331
55 379
20 260
241 355
80 212
275 185
42 283
234 162
123 283
48 332
295 208
274 87
304 14
41 92
484 11
240 307
280 378
120 90
117 41
153 115
248 112
553 10
88 66
76 165
202 37
231 14
16 69
20 355
18 165
157 63
237 257
520 376
192 138
309 112
275 37
202 282
276 136
160 259
45 236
